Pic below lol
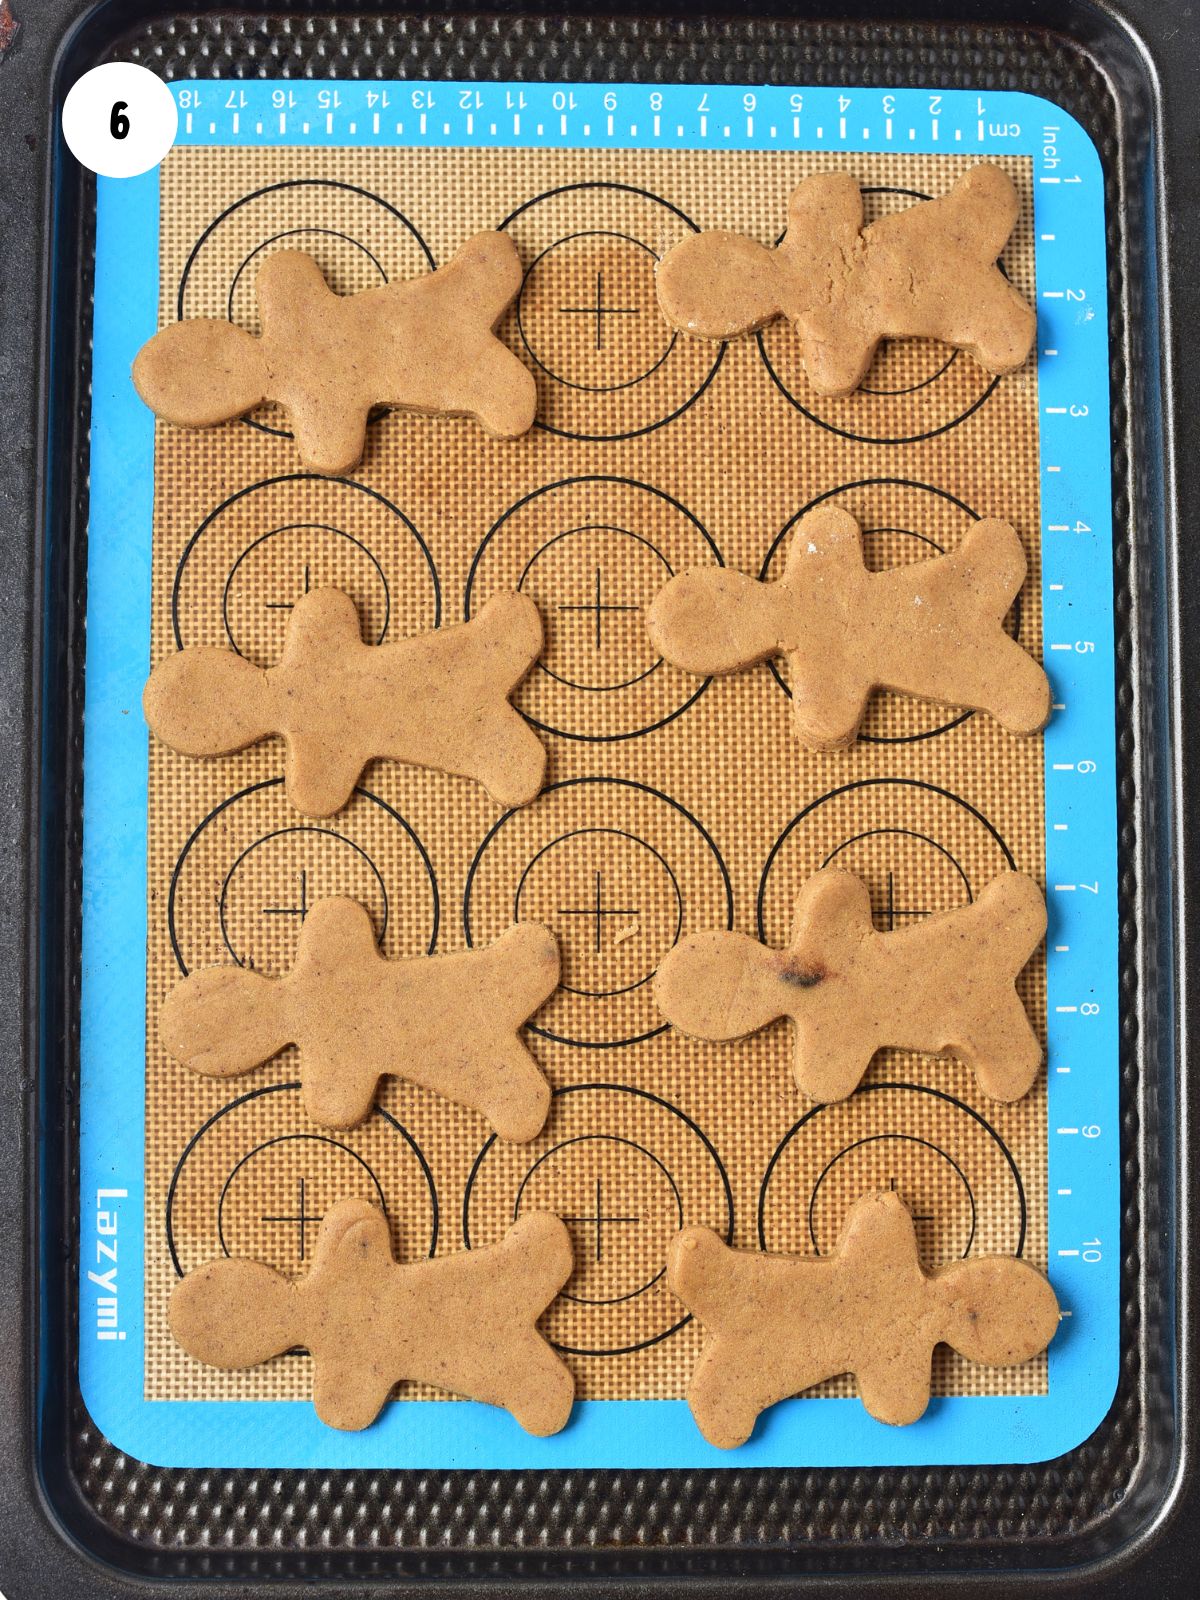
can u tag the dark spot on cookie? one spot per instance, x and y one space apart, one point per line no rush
804 977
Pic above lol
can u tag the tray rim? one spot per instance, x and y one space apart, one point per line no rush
36 1548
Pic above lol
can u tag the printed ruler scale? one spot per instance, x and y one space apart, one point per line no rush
1079 779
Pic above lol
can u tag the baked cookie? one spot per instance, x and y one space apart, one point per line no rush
427 344
932 629
928 272
466 1323
944 986
438 699
778 1324
449 1023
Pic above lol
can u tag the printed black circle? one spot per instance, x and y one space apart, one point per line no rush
293 233
587 312
237 1109
899 789
598 1221
256 545
618 901
300 191
921 538
593 551
655 1176
300 488
639 845
975 1124
328 837
668 339
263 842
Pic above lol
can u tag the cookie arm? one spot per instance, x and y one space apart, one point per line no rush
894 1386
837 352
347 1392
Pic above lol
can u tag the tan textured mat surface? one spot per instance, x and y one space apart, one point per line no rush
670 806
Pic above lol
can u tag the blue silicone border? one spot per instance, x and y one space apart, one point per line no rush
1080 753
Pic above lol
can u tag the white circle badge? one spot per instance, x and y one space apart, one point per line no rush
119 120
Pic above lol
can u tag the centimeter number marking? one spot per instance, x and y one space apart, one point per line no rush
591 115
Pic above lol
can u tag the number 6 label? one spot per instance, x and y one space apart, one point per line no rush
119 120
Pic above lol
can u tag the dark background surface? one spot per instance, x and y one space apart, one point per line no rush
77 1516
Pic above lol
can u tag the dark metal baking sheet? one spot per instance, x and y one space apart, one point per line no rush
76 1516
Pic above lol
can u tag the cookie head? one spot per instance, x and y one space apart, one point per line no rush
713 620
201 372
996 1311
718 285
207 702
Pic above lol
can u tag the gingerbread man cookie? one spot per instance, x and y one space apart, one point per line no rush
778 1325
467 1322
944 986
438 699
449 1023
933 629
426 345
928 272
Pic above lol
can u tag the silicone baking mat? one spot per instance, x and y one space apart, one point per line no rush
671 804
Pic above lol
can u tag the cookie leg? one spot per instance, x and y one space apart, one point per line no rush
999 1045
720 1399
500 392
1005 681
541 1393
516 1097
837 355
502 752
